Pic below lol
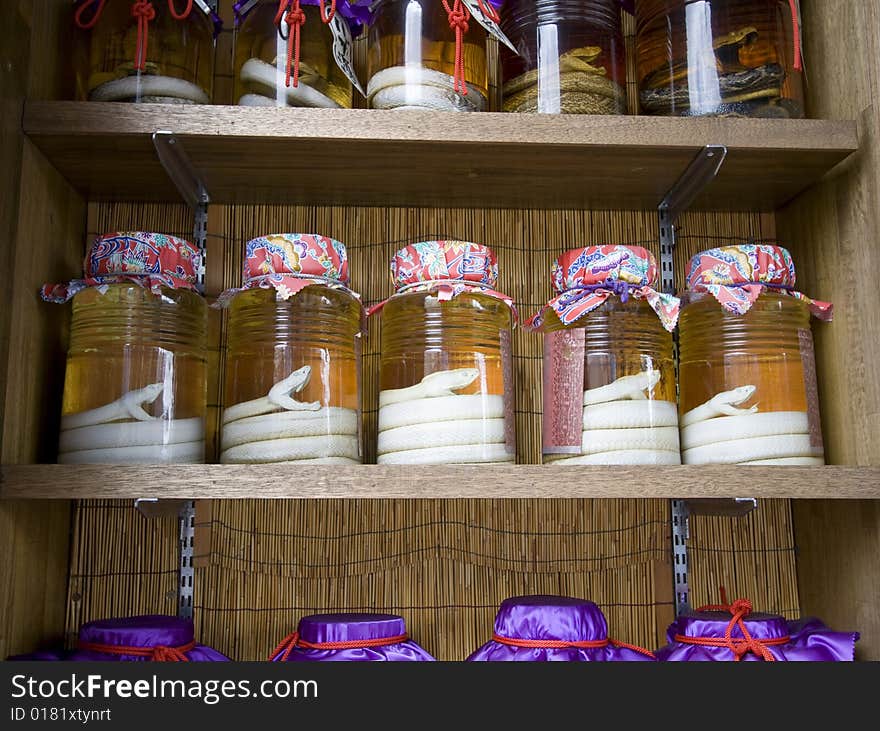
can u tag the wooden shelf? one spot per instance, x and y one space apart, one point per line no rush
452 482
367 157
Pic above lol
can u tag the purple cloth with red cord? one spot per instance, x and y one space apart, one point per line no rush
554 618
354 627
809 639
147 631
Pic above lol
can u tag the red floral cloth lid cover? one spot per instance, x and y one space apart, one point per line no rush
288 263
151 260
586 278
737 275
448 268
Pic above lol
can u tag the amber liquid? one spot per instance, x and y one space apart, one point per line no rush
389 46
421 335
183 49
621 339
717 57
543 32
268 340
128 338
258 37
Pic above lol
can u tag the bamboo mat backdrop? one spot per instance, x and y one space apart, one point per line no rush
443 565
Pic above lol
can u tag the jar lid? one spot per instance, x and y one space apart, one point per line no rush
543 617
357 16
449 268
737 275
350 636
587 277
145 631
151 260
288 263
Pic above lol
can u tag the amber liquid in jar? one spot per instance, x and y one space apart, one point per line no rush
312 340
748 390
717 57
572 57
121 342
445 381
411 59
261 63
179 65
609 388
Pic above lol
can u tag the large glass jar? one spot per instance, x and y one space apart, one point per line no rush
416 59
267 70
719 57
748 389
572 57
446 383
293 355
609 372
159 52
135 386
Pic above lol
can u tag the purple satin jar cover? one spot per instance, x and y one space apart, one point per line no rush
352 628
357 16
803 640
553 619
147 631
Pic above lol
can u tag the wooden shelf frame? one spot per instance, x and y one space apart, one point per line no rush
187 482
320 156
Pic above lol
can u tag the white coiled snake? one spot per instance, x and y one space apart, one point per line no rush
150 87
278 428
416 87
624 425
122 432
718 432
429 423
271 82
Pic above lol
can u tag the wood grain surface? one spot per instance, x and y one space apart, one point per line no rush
369 157
451 482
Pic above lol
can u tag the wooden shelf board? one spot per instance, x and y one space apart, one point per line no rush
387 158
448 482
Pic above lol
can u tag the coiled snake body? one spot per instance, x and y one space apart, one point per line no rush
122 432
622 425
278 428
718 432
429 423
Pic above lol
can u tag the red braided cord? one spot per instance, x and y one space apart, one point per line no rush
458 20
489 11
159 653
796 26
144 11
295 19
566 644
180 16
325 16
739 610
80 11
293 640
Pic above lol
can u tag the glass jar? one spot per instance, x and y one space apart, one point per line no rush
293 355
148 52
446 378
609 372
572 57
719 57
135 388
748 389
412 58
268 72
